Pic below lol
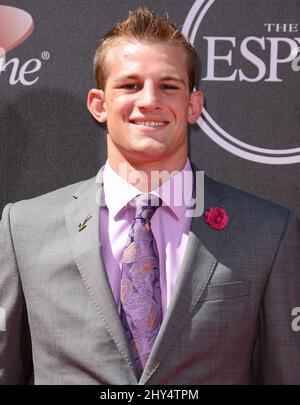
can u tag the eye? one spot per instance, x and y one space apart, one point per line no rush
130 86
168 87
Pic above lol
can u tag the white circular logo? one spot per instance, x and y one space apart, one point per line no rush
210 126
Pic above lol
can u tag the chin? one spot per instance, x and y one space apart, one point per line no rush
151 148
146 155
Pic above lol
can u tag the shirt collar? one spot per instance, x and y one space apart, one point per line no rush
176 192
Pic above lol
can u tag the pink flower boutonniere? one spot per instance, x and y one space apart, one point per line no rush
216 217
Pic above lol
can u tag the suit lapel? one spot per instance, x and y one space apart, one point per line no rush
200 259
87 253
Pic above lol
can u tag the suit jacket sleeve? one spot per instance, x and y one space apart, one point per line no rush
15 348
278 345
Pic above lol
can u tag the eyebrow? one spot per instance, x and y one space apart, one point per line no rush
126 77
136 77
174 79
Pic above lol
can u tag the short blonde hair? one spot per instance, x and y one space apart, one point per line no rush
143 24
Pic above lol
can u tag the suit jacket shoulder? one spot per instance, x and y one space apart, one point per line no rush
56 198
243 199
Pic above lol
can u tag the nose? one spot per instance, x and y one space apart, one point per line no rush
148 98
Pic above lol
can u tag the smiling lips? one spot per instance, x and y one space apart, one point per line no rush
151 124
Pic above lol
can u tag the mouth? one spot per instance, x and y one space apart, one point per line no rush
150 124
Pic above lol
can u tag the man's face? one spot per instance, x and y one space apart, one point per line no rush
147 104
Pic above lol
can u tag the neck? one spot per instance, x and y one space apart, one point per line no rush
147 176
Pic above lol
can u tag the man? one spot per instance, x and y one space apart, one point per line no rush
106 288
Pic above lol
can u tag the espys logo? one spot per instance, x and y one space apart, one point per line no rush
256 61
15 27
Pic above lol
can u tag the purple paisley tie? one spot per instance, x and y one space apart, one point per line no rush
141 309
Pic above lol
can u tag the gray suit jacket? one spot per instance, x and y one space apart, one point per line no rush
229 321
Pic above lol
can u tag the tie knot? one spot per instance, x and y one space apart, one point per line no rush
146 205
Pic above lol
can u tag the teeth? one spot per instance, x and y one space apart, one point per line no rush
150 123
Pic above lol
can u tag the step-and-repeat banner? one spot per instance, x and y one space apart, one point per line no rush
248 135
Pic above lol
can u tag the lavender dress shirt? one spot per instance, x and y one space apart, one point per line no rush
169 224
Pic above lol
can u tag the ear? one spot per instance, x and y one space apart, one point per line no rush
195 106
97 105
